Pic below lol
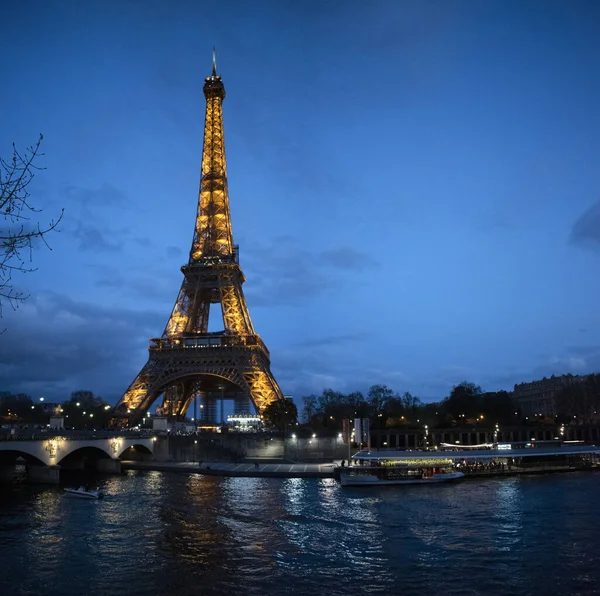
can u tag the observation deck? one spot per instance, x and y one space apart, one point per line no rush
206 342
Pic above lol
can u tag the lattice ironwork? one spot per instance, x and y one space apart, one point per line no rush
187 357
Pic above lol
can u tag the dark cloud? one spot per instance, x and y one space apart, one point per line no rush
301 372
334 340
93 238
584 350
54 345
577 360
106 196
346 257
113 281
284 272
145 242
84 218
586 230
157 286
173 252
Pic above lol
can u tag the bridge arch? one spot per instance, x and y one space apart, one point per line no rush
10 457
83 451
140 447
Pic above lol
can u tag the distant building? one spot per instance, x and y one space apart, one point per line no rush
539 397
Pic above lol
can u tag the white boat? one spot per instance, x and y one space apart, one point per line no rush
83 493
384 475
383 468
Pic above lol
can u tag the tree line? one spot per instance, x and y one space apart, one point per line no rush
466 404
83 410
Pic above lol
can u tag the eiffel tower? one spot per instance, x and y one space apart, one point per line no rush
187 360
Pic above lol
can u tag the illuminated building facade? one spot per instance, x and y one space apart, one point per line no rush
187 361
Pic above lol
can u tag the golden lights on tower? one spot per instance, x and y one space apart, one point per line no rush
186 350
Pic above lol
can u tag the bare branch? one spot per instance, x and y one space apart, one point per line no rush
17 238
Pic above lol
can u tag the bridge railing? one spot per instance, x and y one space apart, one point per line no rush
75 435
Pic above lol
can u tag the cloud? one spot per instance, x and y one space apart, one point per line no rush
586 230
333 340
584 350
157 286
347 258
106 196
284 272
577 360
93 238
570 364
112 281
84 219
54 345
301 372
173 252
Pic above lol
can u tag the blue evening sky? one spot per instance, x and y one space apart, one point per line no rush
414 185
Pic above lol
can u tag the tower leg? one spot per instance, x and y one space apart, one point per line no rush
137 399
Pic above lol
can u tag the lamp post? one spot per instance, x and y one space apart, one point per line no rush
195 412
222 388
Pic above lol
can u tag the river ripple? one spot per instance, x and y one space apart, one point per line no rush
161 533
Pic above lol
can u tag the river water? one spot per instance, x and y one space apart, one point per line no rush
164 533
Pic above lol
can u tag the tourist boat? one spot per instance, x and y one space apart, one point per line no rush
83 493
395 474
383 468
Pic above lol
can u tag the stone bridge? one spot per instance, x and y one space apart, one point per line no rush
44 457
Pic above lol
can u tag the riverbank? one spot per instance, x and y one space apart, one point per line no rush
244 470
308 470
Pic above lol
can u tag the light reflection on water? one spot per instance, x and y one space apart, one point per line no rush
158 533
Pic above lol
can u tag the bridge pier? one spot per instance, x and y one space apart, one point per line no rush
108 466
43 474
7 472
77 465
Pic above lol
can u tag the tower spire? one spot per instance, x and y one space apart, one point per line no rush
214 68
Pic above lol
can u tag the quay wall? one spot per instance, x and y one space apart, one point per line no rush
237 447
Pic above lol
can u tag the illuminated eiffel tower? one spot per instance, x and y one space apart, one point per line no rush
188 361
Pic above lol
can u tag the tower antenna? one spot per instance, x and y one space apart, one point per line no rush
214 70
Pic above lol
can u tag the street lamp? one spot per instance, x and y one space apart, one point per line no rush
222 388
297 447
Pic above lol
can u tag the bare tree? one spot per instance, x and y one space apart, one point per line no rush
18 234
